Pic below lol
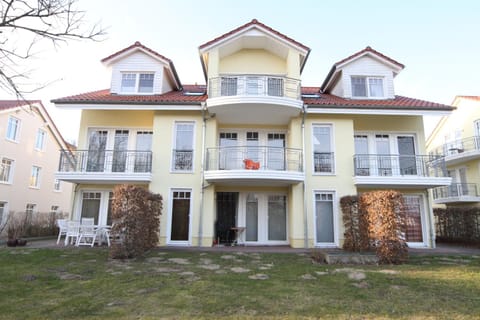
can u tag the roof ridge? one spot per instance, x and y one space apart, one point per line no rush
369 49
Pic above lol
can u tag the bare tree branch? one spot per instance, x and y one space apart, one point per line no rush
26 23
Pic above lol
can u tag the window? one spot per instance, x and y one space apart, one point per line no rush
35 177
413 211
54 209
146 83
183 152
143 157
180 220
40 140
13 129
91 205
128 82
137 82
6 170
30 208
3 211
322 149
56 185
324 218
367 87
229 86
275 87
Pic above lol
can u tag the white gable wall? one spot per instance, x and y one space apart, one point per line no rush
138 62
365 66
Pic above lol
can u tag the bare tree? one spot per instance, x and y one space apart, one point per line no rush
24 24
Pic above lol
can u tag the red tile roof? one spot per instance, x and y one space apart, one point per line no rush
180 97
105 97
137 44
251 23
10 104
369 49
399 103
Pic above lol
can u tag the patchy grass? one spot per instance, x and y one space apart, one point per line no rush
85 284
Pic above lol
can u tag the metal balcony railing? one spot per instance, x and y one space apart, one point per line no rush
458 146
399 165
456 190
254 158
106 161
182 160
323 162
254 85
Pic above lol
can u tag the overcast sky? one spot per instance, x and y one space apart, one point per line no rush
437 41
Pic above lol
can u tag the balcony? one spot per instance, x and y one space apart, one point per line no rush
399 171
255 166
106 166
455 193
459 151
236 99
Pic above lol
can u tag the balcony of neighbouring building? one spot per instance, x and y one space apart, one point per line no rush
105 166
459 151
254 99
455 193
260 165
399 171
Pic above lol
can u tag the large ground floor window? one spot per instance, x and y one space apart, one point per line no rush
414 218
94 204
180 216
325 226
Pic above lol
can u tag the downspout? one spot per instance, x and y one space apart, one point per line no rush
202 176
305 215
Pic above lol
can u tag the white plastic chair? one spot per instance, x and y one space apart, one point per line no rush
88 233
62 229
73 231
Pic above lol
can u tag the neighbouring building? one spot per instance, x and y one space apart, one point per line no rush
29 155
457 138
253 152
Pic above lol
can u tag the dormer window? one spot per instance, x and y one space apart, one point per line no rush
137 82
367 87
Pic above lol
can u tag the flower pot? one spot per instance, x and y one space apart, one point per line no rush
12 242
21 242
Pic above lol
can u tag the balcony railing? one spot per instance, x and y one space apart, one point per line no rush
399 165
456 190
254 158
458 146
253 85
323 162
111 161
182 160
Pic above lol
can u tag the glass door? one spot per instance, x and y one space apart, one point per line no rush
384 160
143 149
97 144
180 216
277 218
228 158
251 231
276 151
120 149
324 219
406 152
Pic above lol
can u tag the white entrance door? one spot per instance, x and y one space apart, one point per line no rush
265 217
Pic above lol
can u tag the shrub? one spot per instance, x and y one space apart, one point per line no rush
136 221
454 224
36 224
384 210
356 225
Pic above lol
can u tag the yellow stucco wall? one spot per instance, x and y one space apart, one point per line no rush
252 61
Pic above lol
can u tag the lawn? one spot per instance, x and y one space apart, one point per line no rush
85 284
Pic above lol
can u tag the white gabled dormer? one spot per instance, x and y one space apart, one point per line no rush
367 74
138 70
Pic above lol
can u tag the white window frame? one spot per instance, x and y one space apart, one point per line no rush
103 211
170 217
174 149
367 87
336 232
9 179
3 211
40 140
35 177
332 148
136 88
10 131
